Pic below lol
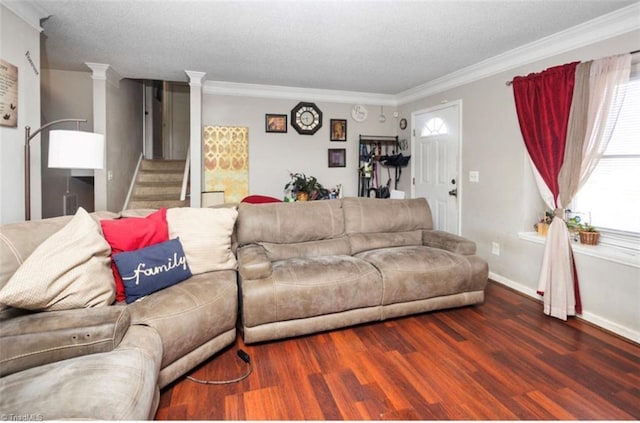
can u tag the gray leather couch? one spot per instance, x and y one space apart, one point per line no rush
313 266
105 362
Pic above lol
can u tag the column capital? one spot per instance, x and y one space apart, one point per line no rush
195 78
104 72
99 70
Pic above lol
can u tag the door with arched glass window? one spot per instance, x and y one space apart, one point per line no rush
435 164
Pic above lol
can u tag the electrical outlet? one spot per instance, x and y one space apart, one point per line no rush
474 176
495 248
109 175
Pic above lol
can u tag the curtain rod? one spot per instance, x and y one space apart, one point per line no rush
508 83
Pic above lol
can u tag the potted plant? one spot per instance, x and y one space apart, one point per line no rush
542 227
587 233
305 187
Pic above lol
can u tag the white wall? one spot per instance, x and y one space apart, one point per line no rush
506 200
273 155
17 37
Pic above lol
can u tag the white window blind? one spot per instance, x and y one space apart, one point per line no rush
611 196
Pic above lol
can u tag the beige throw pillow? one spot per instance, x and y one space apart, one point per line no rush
205 235
70 269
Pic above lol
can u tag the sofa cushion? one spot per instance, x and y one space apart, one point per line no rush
415 272
71 269
19 240
151 269
372 241
41 338
325 247
191 313
205 235
311 286
116 385
287 223
448 241
131 234
375 215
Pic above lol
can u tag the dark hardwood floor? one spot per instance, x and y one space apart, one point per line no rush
502 360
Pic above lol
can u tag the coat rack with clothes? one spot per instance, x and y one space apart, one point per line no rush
375 154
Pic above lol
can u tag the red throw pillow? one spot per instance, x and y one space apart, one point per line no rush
260 199
133 233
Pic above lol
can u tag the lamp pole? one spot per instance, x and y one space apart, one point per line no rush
28 136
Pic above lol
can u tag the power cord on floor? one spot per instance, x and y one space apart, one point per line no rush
244 357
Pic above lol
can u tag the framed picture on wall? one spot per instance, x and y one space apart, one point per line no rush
337 157
275 123
338 129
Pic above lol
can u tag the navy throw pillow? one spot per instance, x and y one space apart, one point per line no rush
152 268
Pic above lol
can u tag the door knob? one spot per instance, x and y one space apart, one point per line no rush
454 192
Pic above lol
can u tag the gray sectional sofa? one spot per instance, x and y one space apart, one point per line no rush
106 363
301 268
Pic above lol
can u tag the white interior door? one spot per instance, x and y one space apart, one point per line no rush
435 163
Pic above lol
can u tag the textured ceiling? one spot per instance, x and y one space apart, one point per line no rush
382 47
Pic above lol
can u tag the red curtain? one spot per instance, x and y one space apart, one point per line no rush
543 103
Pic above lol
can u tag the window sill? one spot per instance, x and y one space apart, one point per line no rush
605 252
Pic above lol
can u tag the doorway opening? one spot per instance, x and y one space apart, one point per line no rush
166 120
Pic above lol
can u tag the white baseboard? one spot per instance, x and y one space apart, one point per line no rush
599 321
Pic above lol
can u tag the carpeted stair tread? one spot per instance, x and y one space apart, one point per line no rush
159 184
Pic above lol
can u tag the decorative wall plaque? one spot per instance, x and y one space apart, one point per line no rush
8 94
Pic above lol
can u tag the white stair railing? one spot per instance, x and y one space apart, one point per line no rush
185 176
133 182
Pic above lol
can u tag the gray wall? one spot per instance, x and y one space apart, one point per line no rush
125 119
65 95
273 155
506 200
70 94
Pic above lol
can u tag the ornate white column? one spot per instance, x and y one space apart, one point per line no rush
195 130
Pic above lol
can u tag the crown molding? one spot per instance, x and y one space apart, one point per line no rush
604 27
296 93
28 12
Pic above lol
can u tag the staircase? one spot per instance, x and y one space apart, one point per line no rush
158 184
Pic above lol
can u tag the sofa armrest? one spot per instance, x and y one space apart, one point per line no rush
449 242
40 338
253 262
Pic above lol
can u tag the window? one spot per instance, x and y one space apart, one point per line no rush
434 126
611 196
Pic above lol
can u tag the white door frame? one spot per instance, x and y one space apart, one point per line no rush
444 105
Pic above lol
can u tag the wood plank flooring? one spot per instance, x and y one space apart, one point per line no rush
500 360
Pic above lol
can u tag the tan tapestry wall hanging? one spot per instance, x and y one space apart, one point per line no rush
226 161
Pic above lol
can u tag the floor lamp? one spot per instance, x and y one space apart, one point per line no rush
67 150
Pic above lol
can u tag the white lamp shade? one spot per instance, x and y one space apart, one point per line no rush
76 150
